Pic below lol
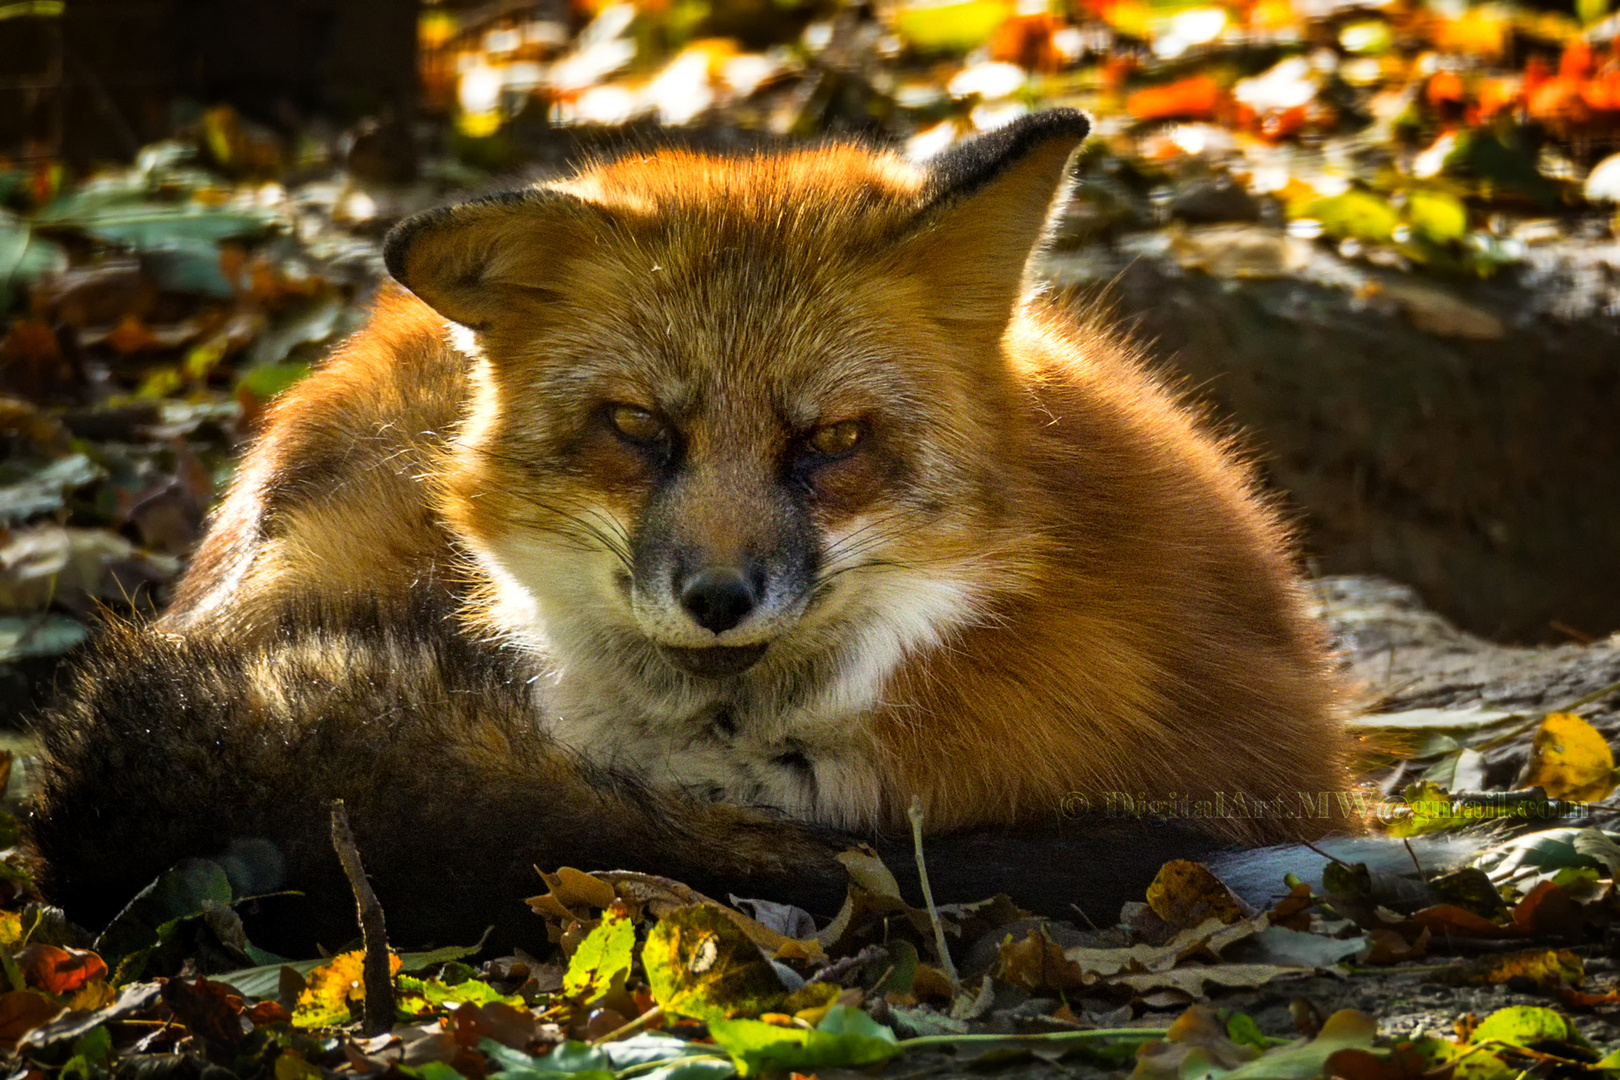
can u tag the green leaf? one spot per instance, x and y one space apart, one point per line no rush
188 266
39 9
437 993
263 981
573 1059
847 1038
1241 1029
1503 161
181 892
676 1059
146 226
431 1070
700 964
1533 1028
267 380
602 959
38 635
24 258
44 490
1344 1030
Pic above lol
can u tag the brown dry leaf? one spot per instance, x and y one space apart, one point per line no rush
1293 912
661 895
132 336
1198 1035
506 1024
1548 910
21 1011
571 894
1451 919
1193 98
1434 310
1037 963
1570 760
930 983
1185 893
1191 979
1390 947
45 433
1400 1064
48 564
211 1011
1206 940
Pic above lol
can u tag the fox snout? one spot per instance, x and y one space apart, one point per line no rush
720 573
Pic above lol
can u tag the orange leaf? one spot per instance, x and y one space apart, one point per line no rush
131 336
59 971
21 1011
1498 95
1548 909
1602 93
1576 63
1194 98
1446 87
1451 919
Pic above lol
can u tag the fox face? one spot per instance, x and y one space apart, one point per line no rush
731 449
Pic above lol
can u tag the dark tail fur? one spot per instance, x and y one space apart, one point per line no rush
175 746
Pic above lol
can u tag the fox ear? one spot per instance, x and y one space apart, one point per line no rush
986 212
477 260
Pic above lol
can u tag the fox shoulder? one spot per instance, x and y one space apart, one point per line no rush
332 502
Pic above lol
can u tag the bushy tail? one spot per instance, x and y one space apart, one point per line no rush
171 747
196 745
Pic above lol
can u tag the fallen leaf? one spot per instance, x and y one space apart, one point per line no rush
1570 760
1185 893
57 970
701 965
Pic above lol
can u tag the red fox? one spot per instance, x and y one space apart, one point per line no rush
693 514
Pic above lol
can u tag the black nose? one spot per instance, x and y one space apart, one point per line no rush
717 598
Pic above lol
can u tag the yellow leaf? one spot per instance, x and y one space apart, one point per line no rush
1570 760
93 995
331 988
1186 893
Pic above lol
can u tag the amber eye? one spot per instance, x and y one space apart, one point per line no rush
836 440
637 424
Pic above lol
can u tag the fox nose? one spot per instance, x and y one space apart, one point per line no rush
718 598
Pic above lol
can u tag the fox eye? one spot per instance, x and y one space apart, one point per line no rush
836 440
637 424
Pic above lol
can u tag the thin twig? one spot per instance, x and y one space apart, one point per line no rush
375 979
916 815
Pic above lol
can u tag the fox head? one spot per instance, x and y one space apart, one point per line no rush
742 421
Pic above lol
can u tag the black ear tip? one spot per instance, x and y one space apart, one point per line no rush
1038 127
966 167
397 244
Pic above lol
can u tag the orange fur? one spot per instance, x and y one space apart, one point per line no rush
1036 576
